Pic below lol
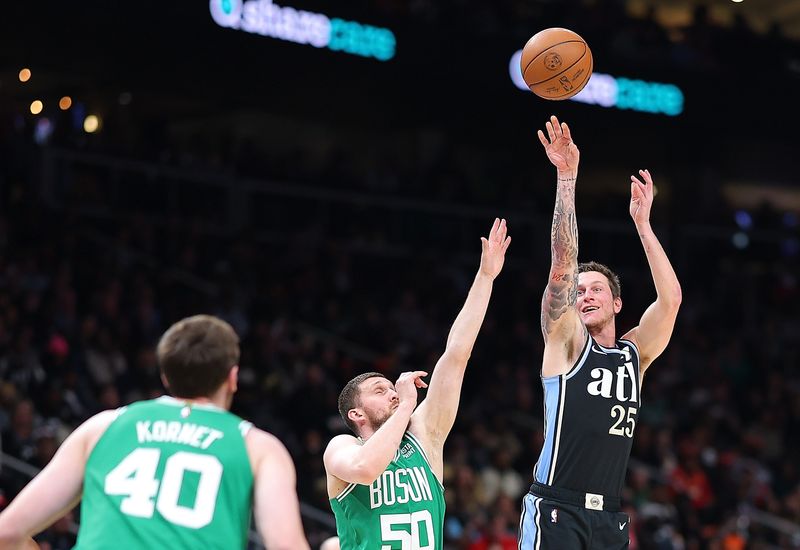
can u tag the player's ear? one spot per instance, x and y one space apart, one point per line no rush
164 381
355 415
233 379
617 305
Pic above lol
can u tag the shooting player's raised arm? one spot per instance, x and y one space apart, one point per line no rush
561 326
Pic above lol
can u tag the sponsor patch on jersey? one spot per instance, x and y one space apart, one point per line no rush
407 450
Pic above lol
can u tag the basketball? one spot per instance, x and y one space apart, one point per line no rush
556 63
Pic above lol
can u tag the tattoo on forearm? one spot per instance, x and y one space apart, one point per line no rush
646 241
562 288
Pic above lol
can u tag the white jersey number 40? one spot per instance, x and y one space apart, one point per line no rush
135 477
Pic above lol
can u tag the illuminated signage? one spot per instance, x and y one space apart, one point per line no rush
622 93
266 18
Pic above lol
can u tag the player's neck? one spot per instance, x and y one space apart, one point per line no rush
606 335
203 401
218 400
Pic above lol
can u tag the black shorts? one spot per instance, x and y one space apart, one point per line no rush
555 519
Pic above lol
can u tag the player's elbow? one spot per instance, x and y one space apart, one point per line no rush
365 472
356 469
457 353
674 297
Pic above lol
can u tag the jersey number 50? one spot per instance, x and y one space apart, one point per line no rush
408 540
135 477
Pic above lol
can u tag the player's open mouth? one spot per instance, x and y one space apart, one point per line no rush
590 309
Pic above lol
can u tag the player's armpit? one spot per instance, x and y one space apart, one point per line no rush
436 415
564 333
654 331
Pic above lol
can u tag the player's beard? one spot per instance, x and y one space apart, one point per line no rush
599 324
377 419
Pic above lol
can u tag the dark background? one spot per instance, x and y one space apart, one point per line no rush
329 206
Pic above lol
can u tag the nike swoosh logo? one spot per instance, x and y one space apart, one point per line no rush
594 349
622 525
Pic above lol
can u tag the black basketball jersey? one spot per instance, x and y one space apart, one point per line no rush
590 414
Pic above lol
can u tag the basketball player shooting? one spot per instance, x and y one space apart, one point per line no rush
385 483
591 379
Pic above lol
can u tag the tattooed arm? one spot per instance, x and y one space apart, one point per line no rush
561 326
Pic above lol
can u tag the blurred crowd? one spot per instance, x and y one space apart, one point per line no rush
83 301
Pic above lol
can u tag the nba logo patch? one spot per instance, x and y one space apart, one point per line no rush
554 516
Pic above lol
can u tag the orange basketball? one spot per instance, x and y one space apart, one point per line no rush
556 63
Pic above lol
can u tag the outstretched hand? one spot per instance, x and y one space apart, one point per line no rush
641 197
558 145
494 248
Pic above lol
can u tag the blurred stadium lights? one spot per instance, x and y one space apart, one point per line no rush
304 27
36 107
25 75
91 124
622 93
43 131
740 240
743 219
65 103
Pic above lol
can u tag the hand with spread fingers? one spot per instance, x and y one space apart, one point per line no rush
641 197
560 148
494 249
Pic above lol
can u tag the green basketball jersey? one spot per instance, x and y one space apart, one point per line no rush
168 475
401 510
